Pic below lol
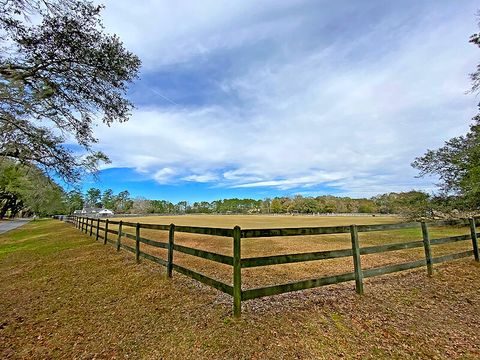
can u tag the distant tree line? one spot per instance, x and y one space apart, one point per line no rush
25 190
412 204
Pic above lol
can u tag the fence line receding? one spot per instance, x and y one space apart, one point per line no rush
93 226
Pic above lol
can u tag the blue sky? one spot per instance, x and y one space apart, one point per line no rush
266 98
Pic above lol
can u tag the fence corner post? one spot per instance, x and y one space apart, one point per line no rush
171 239
137 243
119 238
473 231
105 233
357 263
98 225
428 249
237 272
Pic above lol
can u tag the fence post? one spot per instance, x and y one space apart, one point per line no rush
171 239
473 231
119 238
357 263
105 232
91 226
237 272
98 225
137 243
81 221
428 250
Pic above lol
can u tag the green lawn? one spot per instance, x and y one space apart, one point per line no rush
66 296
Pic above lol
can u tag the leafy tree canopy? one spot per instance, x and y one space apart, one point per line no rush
24 189
457 163
59 73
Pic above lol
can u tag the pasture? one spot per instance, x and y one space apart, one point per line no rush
262 221
256 247
66 296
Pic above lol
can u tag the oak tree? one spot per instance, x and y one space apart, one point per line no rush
59 74
457 163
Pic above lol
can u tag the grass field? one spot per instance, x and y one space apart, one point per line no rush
66 296
262 276
262 221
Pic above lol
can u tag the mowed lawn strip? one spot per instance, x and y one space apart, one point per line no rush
66 296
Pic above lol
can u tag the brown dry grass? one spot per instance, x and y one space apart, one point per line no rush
263 276
262 221
66 296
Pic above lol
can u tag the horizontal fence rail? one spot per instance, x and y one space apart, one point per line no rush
205 230
291 258
204 279
204 254
295 286
92 227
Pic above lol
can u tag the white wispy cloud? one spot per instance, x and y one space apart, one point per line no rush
164 175
202 178
349 112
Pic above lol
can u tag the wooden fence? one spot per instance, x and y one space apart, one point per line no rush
93 226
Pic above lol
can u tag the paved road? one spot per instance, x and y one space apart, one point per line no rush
13 224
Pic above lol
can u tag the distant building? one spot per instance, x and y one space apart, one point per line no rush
105 213
95 212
